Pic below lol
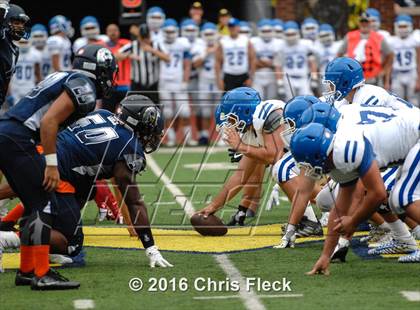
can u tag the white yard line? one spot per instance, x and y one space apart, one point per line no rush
237 296
411 295
249 298
192 150
84 304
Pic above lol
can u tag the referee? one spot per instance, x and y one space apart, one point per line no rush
145 56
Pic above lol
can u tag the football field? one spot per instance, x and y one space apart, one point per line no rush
236 271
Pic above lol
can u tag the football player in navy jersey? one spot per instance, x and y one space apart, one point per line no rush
100 146
57 101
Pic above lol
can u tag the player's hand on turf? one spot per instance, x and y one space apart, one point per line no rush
274 199
51 178
156 259
209 210
321 267
345 225
231 137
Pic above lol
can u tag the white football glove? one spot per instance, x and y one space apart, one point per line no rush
274 199
288 240
156 259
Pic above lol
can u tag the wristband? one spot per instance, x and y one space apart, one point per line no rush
51 159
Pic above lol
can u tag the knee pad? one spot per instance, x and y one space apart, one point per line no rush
325 199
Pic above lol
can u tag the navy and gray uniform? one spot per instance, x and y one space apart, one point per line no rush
88 150
9 54
22 165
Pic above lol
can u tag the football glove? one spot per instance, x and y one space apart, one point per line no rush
234 156
156 259
287 241
274 199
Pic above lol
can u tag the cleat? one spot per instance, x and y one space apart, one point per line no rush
238 218
340 252
307 228
381 240
22 278
203 141
410 258
103 211
324 219
191 142
394 247
9 240
375 234
53 281
60 259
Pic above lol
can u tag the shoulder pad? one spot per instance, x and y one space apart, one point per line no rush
273 121
348 149
82 91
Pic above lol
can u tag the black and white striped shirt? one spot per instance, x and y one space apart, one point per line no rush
146 71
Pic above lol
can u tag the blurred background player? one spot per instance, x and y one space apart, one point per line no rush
267 69
91 33
278 28
27 72
13 21
245 29
371 50
405 71
59 44
327 46
38 39
173 83
155 18
223 21
208 95
122 80
235 59
375 22
309 29
298 62
196 13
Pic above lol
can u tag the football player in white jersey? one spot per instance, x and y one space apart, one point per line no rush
91 33
58 44
203 58
278 28
309 29
251 127
327 46
245 29
375 22
155 18
27 72
38 39
405 74
267 68
235 59
297 57
173 82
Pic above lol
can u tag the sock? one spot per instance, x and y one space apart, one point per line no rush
416 232
26 259
41 259
384 226
290 228
14 215
343 242
204 133
399 229
310 214
105 198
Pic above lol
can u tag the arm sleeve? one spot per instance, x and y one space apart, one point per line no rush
385 48
83 94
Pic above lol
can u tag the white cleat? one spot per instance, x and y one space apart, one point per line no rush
9 240
410 258
381 240
60 259
395 247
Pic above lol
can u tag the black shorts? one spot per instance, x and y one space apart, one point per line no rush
148 91
234 81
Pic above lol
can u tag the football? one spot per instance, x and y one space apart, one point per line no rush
208 226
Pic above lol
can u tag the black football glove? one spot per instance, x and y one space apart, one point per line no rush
234 156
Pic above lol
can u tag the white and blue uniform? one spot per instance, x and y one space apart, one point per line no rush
58 45
404 68
235 55
295 60
326 53
265 80
173 98
83 41
24 78
45 62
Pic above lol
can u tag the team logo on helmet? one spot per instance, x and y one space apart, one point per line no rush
104 55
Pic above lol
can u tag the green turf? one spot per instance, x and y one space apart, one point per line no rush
358 284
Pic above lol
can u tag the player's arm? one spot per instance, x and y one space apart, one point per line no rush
232 186
55 62
59 111
160 53
187 69
37 70
388 56
124 52
252 61
218 67
303 194
127 184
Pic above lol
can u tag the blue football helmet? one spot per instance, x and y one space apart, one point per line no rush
155 17
170 30
265 29
278 28
310 147
89 27
291 32
39 35
321 113
403 25
326 34
310 28
374 18
236 108
60 23
341 76
189 29
209 33
245 28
